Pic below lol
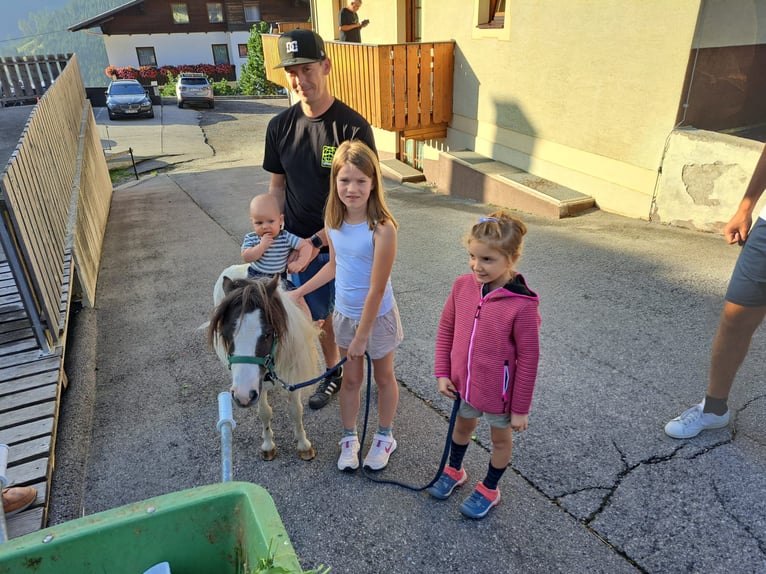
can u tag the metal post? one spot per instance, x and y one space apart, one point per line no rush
225 426
133 161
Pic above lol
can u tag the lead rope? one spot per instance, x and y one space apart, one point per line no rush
447 444
445 452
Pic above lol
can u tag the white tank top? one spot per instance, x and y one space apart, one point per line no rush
354 250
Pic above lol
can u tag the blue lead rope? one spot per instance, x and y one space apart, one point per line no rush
445 452
447 444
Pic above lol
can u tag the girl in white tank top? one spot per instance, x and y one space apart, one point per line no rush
362 236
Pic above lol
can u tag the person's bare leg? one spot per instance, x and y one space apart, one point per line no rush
327 342
731 345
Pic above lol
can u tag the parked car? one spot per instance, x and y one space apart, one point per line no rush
193 87
128 98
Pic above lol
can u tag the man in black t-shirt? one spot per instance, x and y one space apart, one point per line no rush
300 145
348 22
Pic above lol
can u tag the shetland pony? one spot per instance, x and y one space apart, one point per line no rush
261 334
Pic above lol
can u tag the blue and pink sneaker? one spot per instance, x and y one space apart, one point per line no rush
449 480
480 502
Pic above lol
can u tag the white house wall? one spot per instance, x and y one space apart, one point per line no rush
175 49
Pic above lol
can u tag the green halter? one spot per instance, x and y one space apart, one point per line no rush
267 361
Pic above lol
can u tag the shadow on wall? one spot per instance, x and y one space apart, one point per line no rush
469 171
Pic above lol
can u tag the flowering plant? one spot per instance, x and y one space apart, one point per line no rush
151 73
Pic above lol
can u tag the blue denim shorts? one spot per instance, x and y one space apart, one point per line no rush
747 286
286 283
321 302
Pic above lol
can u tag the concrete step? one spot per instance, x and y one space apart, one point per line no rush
400 172
500 184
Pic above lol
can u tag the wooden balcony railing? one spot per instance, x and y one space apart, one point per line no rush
282 27
397 87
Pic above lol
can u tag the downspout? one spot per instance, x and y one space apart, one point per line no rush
313 14
695 43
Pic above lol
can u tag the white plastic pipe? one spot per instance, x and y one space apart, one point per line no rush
3 483
3 465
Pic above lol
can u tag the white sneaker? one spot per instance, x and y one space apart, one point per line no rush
382 448
693 421
349 453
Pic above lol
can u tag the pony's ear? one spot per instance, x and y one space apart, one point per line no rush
272 285
228 285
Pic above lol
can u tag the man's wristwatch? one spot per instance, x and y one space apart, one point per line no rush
316 241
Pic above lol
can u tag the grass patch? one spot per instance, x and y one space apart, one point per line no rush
121 175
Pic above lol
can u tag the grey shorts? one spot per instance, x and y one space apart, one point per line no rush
386 333
498 421
747 286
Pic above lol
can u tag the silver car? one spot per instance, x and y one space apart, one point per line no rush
194 87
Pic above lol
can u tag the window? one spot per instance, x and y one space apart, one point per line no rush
220 54
180 13
214 12
492 14
146 57
489 20
252 12
242 50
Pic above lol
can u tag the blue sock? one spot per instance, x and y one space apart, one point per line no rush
349 432
385 431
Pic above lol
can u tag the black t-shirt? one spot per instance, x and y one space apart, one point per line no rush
302 149
345 18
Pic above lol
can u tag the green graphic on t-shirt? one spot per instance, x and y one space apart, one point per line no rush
328 152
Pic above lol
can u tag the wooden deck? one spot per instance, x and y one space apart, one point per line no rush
31 382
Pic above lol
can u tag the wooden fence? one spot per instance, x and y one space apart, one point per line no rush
54 200
397 87
24 79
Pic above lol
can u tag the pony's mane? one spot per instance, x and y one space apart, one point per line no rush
245 296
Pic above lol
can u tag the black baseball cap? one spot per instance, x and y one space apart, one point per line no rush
300 46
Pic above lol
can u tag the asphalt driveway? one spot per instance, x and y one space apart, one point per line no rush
628 313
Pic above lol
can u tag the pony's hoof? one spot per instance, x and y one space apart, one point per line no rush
307 454
269 454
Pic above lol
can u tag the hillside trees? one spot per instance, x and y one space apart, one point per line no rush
45 32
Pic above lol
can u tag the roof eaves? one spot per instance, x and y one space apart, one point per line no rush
101 18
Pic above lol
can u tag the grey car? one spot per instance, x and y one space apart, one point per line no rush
126 98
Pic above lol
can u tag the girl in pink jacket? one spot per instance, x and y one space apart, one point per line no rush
487 350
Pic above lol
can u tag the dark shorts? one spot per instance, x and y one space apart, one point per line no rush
747 286
321 301
286 283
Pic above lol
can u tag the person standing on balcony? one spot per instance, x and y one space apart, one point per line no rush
348 22
300 145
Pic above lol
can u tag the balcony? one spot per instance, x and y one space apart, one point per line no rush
403 88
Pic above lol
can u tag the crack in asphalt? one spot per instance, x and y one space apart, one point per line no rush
744 526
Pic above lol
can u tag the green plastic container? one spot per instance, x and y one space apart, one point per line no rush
222 528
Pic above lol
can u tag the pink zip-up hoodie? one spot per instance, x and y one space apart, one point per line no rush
489 346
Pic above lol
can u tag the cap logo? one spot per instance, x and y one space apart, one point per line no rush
292 47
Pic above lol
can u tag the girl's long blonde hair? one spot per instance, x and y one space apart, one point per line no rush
358 154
